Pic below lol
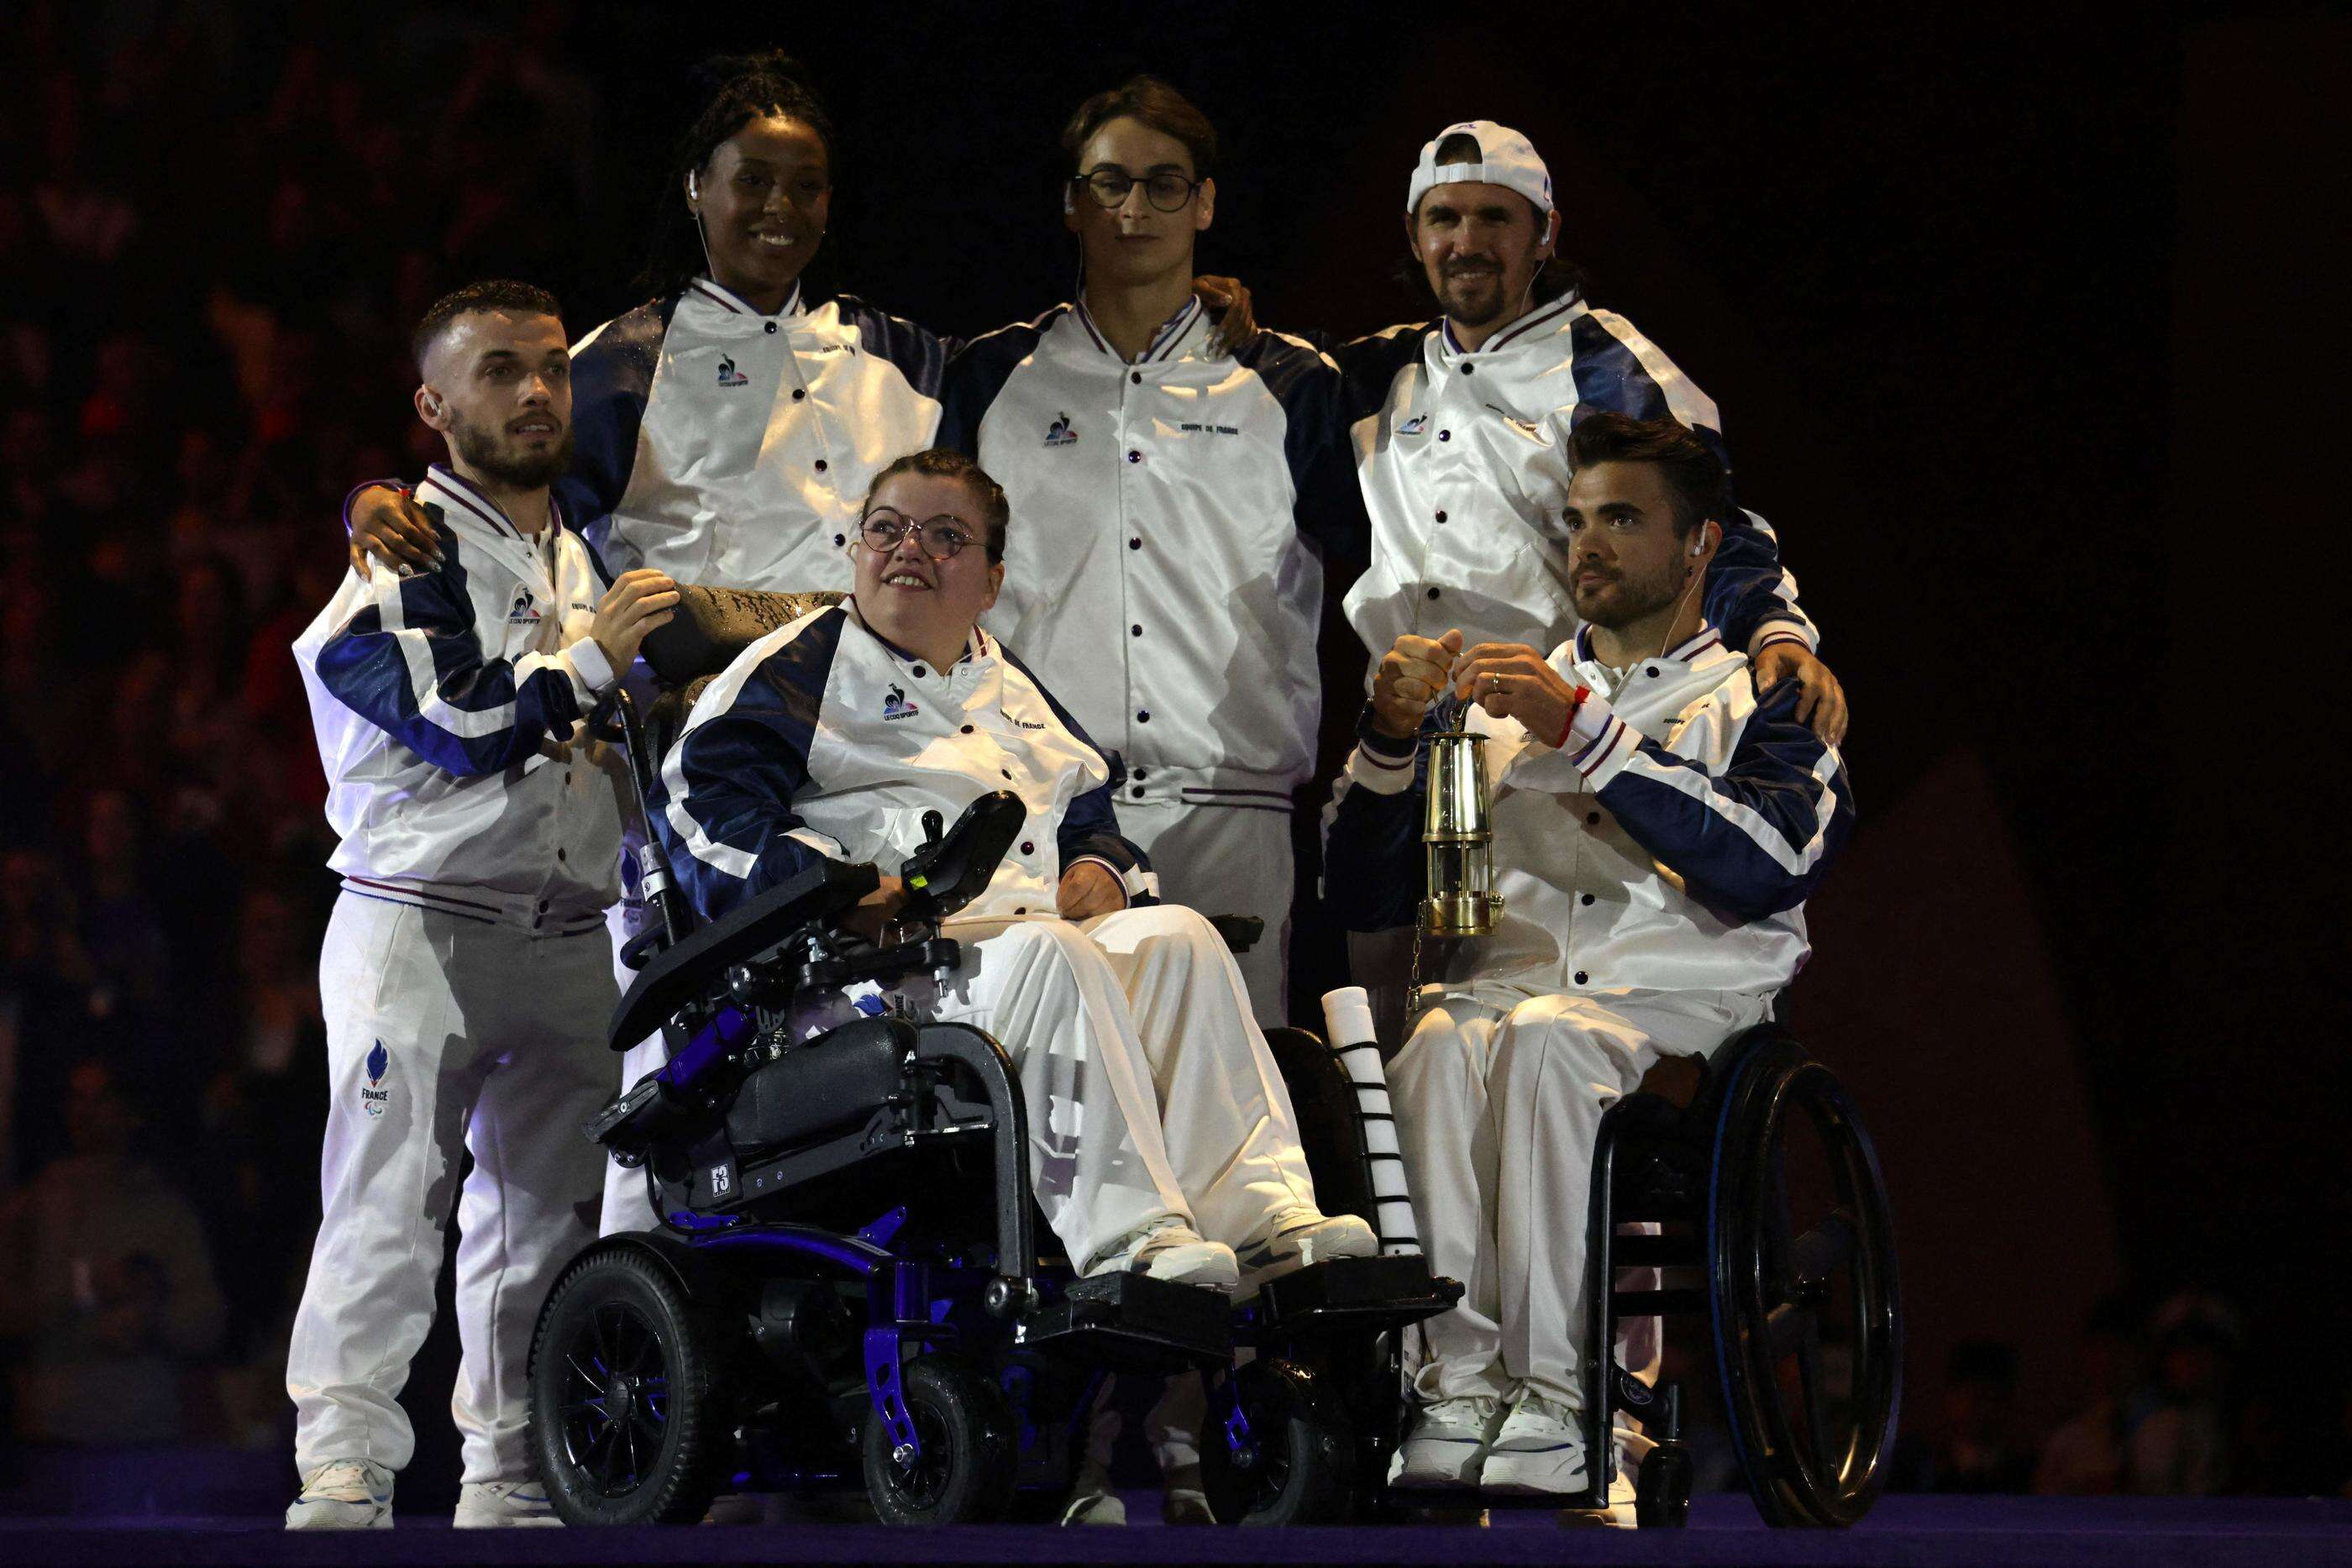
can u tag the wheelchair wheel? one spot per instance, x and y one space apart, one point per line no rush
625 1416
1662 1488
1808 1325
1288 1460
965 1473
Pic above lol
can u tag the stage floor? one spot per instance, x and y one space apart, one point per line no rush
1903 1532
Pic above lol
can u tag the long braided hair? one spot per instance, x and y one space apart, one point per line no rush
740 88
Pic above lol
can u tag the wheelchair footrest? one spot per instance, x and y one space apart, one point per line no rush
1354 1292
1132 1322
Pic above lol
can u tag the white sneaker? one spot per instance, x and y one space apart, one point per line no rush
1446 1443
1183 1499
1538 1449
1304 1237
1170 1251
343 1494
496 1505
1091 1499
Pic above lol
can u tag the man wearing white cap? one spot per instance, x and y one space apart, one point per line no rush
1464 462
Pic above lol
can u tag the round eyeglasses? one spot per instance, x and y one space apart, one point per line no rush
1164 188
941 537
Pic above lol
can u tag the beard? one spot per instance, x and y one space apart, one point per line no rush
1621 601
1472 298
485 450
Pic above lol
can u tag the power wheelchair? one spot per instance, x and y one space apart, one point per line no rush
848 1287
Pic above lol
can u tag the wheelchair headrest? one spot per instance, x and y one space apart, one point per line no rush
714 624
666 719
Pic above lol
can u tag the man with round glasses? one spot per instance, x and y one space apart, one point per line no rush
1175 498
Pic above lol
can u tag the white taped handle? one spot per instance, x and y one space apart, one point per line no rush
1347 1021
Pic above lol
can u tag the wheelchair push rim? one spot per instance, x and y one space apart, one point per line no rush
1781 1275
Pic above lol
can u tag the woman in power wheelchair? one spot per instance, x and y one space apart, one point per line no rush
847 1281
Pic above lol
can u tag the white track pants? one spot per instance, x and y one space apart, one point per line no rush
492 1041
1497 1114
1226 860
1149 1091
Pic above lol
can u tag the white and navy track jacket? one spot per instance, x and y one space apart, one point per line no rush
1164 567
822 739
733 449
1668 846
1464 462
441 702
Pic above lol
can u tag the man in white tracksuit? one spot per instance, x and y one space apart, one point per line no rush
1460 429
466 974
1161 1138
1175 502
1657 824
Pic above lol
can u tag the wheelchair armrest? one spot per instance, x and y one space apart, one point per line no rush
678 975
1240 932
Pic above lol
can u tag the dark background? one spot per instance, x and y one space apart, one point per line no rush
2023 326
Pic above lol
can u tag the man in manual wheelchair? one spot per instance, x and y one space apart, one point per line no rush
872 1077
1656 825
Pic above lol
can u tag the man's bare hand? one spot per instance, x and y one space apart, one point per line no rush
1823 702
1511 680
1229 308
1088 889
1413 675
637 603
395 530
877 909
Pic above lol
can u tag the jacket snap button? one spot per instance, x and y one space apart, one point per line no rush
1593 818
918 672
1136 793
1136 377
840 539
1433 594
1469 369
1135 544
771 333
818 465
967 729
1652 672
1134 457
1143 716
1444 435
798 394
1580 977
1135 630
1441 514
1028 847
1586 899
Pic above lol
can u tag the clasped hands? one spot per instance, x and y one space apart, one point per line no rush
1509 680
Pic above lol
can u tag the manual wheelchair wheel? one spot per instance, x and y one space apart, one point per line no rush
624 1415
1288 1458
965 1473
1808 1324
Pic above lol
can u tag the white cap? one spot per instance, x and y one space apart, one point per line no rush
1506 158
